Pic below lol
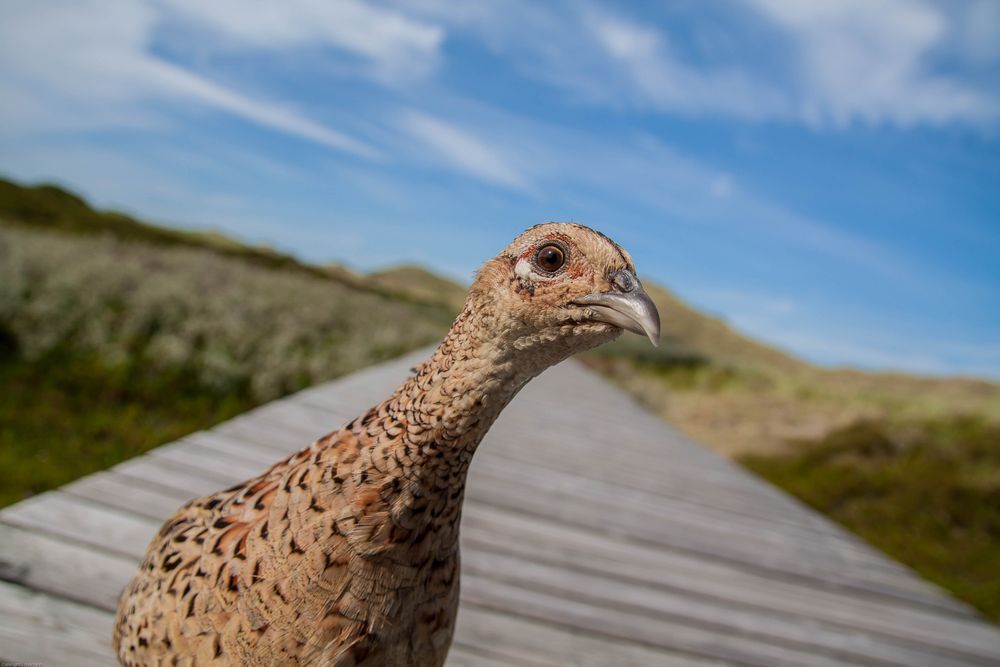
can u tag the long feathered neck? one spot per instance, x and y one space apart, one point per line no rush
415 447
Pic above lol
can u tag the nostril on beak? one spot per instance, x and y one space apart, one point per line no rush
623 280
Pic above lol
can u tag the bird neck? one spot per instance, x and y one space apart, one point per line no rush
418 444
455 396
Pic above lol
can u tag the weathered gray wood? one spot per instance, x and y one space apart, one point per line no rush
620 542
466 656
117 569
227 470
494 530
58 513
654 608
117 491
545 644
64 569
168 475
491 531
263 456
620 492
82 522
563 546
39 628
545 607
255 429
773 551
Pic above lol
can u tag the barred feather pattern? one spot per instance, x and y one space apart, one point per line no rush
346 553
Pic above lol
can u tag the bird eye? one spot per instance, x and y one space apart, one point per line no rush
550 258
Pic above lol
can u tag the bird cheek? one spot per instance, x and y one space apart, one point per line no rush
576 270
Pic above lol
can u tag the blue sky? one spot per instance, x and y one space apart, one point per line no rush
824 175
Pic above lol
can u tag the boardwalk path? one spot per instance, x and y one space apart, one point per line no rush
593 534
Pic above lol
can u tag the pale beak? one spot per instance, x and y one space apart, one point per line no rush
627 306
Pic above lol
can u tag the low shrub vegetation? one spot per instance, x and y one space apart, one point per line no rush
925 491
111 347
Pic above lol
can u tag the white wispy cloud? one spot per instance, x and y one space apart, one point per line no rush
464 150
851 60
174 80
658 78
816 62
88 64
872 60
396 46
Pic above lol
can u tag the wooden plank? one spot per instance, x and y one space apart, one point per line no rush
241 449
80 523
545 644
86 528
64 569
810 521
463 656
315 421
115 490
589 448
490 529
39 628
168 475
281 437
709 516
738 525
361 390
544 607
658 526
656 606
227 470
58 513
615 446
289 412
567 547
497 453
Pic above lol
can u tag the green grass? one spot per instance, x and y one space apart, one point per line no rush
925 492
67 415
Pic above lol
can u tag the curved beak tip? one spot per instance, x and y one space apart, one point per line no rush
633 311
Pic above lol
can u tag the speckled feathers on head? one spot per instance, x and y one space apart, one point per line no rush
510 290
589 247
598 247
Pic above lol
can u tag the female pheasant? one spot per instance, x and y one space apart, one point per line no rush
346 553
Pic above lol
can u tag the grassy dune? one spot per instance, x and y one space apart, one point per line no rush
116 336
926 491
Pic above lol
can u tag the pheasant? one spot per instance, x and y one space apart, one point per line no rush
346 553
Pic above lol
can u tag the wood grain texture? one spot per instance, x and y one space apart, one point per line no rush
548 579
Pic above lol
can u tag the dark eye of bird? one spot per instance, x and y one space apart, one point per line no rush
550 258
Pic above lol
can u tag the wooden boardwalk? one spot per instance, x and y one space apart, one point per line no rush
648 551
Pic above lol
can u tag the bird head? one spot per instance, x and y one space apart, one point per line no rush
563 287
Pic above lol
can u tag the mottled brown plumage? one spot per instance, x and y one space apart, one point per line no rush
346 553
